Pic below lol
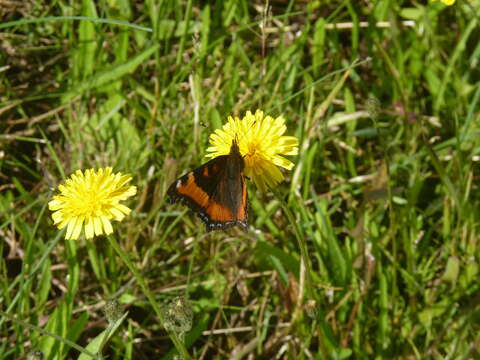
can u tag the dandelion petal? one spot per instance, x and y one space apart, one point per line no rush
77 228
89 229
70 227
97 226
107 225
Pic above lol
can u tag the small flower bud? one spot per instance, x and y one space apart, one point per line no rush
35 355
373 106
113 311
178 315
311 308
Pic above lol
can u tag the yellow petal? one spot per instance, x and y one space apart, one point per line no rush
97 226
260 183
89 229
124 209
70 226
107 226
57 217
117 214
55 204
281 161
77 229
64 222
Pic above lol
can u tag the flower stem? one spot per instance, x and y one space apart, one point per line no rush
301 244
173 335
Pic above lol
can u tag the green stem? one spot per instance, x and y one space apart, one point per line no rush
173 335
301 244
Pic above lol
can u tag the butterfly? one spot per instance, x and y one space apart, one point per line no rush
216 191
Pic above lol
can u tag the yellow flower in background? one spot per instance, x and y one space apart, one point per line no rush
90 200
447 2
261 142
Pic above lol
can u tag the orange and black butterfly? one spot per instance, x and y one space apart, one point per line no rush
216 191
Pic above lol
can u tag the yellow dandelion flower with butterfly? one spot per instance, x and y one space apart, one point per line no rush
253 147
261 143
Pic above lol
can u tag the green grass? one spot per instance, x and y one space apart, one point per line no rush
383 203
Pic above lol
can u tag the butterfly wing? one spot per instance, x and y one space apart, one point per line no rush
229 205
216 191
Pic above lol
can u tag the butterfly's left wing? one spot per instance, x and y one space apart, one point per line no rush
216 191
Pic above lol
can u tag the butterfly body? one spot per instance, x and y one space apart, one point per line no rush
216 191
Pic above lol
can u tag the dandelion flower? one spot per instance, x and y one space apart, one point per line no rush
261 142
90 200
447 2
